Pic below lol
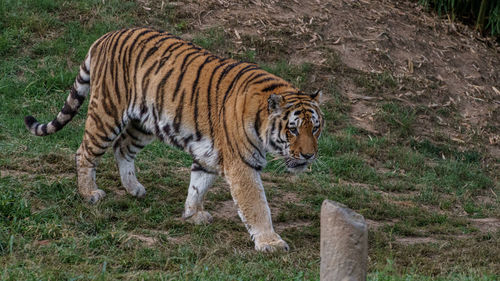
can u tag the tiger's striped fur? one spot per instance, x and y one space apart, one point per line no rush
227 114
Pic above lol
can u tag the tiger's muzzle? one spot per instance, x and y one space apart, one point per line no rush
297 165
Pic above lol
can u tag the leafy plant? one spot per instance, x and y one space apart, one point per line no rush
484 14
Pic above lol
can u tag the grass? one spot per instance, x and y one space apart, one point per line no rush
399 119
410 185
211 39
297 74
376 83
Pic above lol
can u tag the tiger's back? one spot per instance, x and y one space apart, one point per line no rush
227 114
176 90
172 87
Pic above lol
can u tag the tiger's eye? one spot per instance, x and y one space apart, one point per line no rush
294 131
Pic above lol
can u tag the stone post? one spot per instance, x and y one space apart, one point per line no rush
344 243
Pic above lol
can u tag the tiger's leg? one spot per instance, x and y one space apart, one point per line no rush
126 147
96 140
248 194
200 182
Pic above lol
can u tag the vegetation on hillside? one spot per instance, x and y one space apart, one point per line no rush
483 14
432 202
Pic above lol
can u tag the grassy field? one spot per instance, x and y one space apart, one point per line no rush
425 199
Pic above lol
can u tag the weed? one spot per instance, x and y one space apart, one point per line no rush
376 83
440 151
248 56
212 39
399 119
483 14
295 74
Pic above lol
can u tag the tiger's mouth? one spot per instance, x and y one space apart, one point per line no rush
296 165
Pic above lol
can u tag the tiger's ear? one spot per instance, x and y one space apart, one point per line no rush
317 96
274 103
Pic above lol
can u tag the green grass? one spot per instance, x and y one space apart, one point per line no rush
399 119
376 83
411 185
484 14
296 74
211 39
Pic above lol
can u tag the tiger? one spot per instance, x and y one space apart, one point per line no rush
227 114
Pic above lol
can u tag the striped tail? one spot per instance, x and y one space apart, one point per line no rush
73 102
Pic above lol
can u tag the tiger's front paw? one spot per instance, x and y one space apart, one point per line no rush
270 243
200 217
94 196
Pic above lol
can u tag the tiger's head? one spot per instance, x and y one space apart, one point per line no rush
295 126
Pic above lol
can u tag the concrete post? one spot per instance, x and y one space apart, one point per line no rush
344 243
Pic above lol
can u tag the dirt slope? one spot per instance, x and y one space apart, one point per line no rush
438 66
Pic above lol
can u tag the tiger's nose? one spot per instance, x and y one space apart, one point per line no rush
307 155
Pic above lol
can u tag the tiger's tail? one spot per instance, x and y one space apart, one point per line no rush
75 99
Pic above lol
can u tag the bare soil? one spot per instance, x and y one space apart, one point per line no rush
487 224
417 240
226 210
438 64
21 174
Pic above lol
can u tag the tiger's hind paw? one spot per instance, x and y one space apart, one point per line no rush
136 190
